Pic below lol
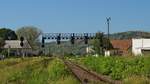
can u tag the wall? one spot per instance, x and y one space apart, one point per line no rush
140 44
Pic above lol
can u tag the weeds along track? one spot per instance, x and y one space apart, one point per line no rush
32 69
87 77
10 72
14 61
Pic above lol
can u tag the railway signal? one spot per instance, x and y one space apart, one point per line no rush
58 39
22 44
72 38
21 39
86 38
43 41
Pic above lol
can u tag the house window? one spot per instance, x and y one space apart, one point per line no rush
120 52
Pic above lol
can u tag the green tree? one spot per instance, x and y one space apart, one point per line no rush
2 42
101 43
31 34
7 34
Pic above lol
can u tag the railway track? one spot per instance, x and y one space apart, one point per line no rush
87 77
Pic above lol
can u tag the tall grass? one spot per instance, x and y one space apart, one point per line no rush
8 71
59 74
37 71
33 74
118 68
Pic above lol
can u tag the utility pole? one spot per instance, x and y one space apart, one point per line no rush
9 38
108 25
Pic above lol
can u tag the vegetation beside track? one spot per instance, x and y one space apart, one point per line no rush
60 74
13 65
119 68
40 70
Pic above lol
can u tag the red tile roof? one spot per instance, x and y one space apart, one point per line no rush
121 44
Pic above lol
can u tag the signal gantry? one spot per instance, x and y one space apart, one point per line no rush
70 36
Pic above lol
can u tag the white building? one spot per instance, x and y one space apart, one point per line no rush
15 48
89 49
139 45
15 44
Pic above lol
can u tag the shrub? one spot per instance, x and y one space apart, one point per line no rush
136 80
118 67
57 70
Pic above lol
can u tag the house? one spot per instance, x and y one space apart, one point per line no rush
121 47
140 46
124 47
14 48
15 44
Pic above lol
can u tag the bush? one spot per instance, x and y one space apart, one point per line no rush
118 67
57 70
136 80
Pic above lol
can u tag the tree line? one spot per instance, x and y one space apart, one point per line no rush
30 33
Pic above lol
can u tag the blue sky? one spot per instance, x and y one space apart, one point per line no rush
76 15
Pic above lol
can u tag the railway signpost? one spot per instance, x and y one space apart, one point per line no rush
66 36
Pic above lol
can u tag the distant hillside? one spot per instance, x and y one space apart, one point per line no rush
130 34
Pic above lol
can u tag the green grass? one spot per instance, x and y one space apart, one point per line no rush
59 74
44 70
136 80
118 68
14 61
7 71
40 70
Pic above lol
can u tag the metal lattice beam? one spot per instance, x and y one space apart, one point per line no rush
72 36
69 35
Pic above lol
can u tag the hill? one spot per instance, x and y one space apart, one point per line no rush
130 34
